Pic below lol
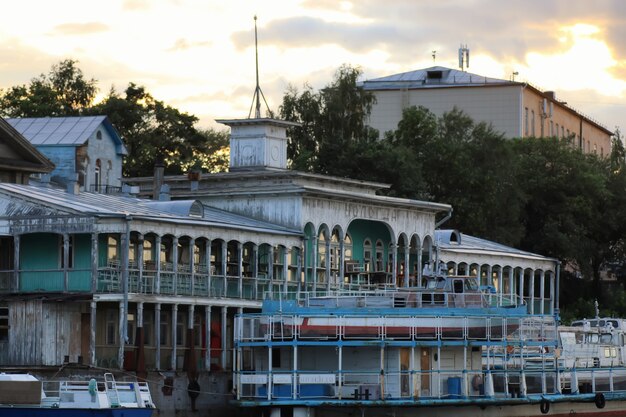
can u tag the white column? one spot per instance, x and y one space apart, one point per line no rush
240 269
225 265
255 271
342 261
157 335
407 267
141 288
174 340
394 264
122 336
66 260
328 265
192 265
207 255
314 263
16 263
224 337
207 337
92 334
157 250
500 285
521 285
532 291
542 291
175 264
552 295
512 286
94 263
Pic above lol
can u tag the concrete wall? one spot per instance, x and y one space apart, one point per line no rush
499 106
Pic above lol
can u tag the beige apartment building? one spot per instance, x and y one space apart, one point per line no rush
516 109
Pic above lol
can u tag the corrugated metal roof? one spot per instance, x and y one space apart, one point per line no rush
431 78
103 205
65 131
475 244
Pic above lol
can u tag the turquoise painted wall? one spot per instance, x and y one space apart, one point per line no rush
361 229
39 263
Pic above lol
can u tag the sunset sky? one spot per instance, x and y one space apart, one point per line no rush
198 55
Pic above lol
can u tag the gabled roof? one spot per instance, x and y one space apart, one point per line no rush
432 77
65 131
31 160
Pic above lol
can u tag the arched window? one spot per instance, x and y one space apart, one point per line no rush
367 254
380 256
321 249
335 250
347 246
97 175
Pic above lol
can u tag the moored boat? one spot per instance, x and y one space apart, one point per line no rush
445 348
24 395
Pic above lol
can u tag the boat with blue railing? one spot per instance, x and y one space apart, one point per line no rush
444 348
25 395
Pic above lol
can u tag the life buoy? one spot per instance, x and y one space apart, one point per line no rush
599 400
477 381
544 406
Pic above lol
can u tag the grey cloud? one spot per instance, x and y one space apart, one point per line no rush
79 28
410 29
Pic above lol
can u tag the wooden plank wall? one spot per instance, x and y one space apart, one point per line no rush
42 333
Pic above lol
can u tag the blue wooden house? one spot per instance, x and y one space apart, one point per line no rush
86 149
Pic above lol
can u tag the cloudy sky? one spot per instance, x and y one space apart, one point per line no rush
198 55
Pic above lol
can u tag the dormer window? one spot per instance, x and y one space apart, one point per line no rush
434 75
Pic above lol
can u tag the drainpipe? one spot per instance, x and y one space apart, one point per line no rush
124 259
445 219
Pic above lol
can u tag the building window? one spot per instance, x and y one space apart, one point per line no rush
148 329
380 256
98 135
165 329
4 324
595 148
130 328
601 151
562 131
367 254
526 131
181 328
112 249
321 250
532 123
347 247
97 175
551 128
335 250
111 327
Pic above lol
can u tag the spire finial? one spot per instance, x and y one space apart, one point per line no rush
257 91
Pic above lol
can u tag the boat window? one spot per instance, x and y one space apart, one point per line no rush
593 338
614 352
614 323
458 286
605 339
441 283
471 284
607 352
431 284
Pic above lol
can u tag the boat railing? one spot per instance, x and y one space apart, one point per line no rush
458 384
265 327
398 298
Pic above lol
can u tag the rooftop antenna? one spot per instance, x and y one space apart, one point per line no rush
434 55
257 91
464 54
513 74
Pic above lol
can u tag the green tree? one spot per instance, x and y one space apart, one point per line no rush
154 131
332 121
64 91
151 130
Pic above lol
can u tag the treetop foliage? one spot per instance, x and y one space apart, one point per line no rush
151 130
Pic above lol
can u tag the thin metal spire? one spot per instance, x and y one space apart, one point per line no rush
257 91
